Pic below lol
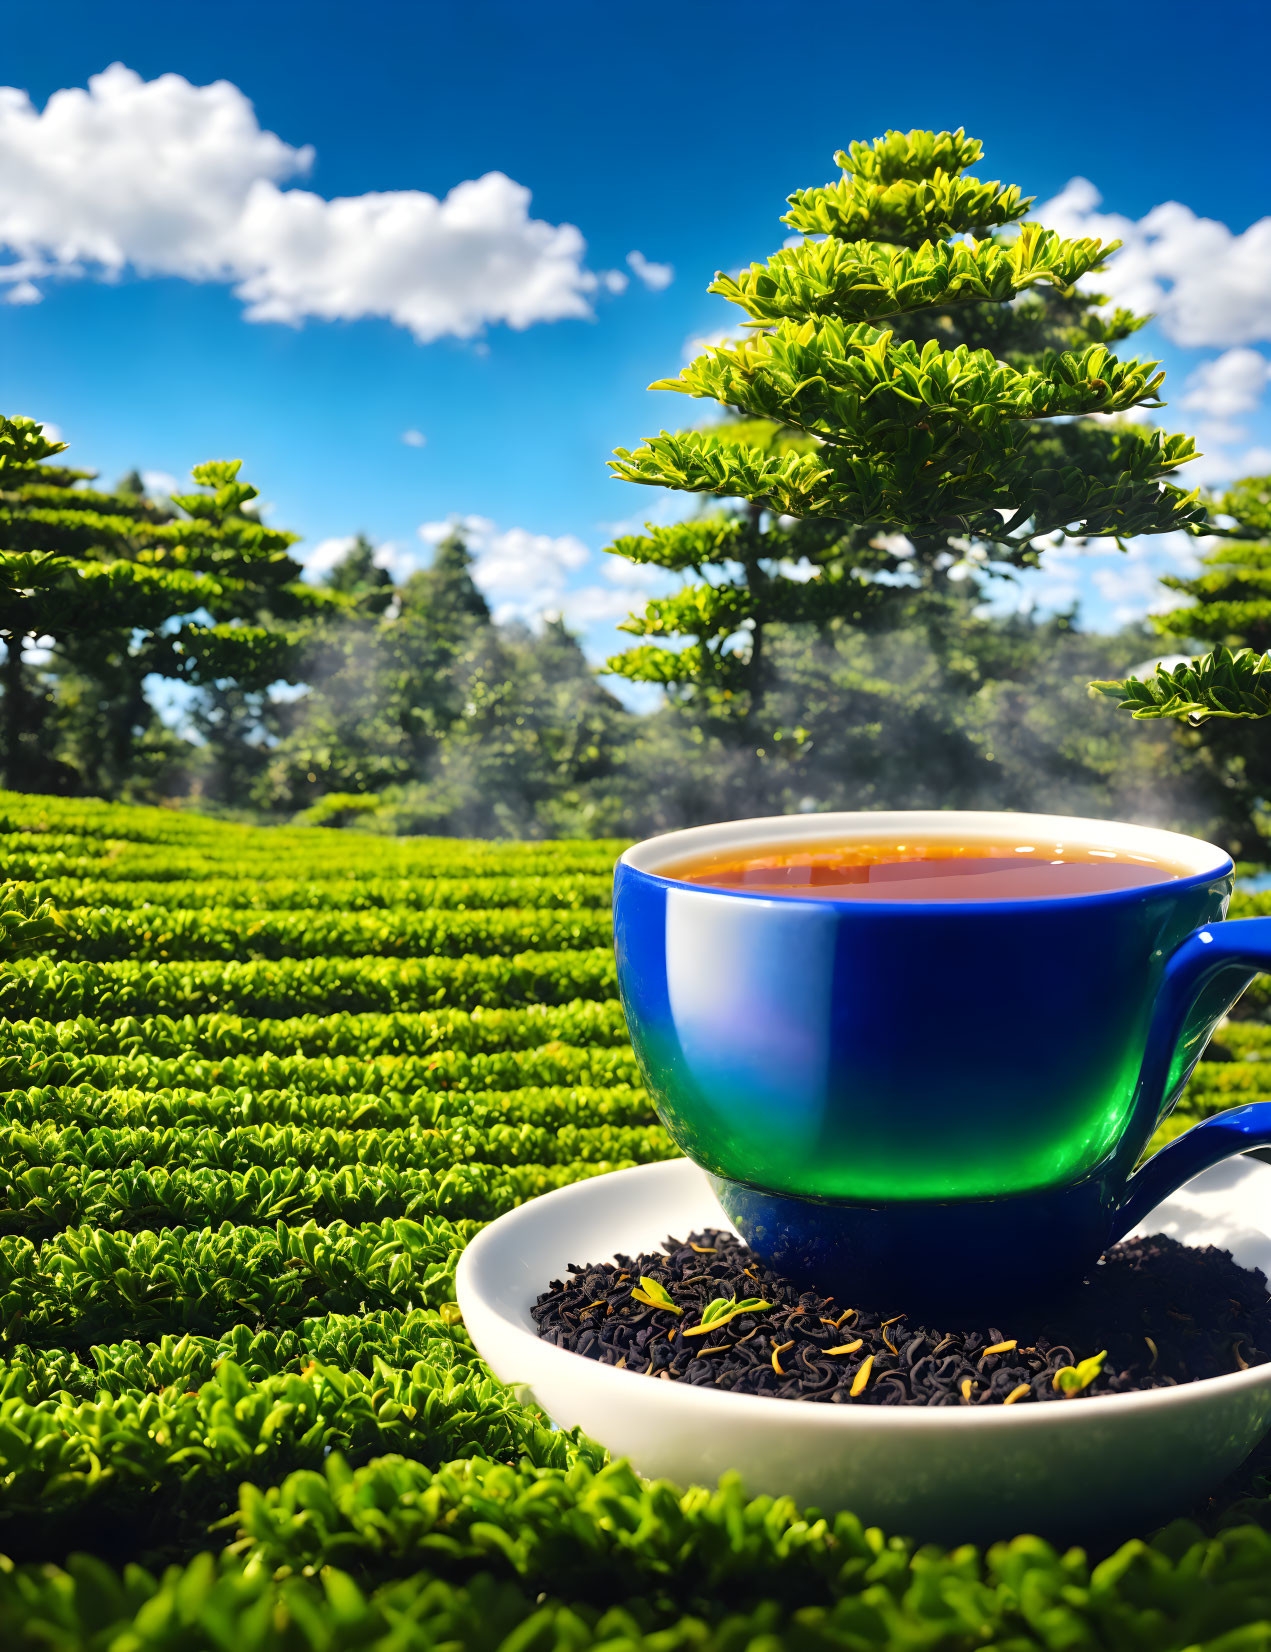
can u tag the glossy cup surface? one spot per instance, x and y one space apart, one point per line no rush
880 1051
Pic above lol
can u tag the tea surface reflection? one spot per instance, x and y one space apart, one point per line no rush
931 869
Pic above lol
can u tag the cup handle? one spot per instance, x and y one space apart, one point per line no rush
1203 979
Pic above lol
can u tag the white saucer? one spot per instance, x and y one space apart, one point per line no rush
1121 1463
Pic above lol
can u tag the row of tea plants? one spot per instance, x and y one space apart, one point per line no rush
260 1087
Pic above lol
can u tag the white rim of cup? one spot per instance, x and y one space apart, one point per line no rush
1203 861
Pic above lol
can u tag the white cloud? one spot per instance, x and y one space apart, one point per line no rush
400 560
325 554
666 506
1113 587
319 559
899 544
633 576
1133 591
698 343
800 570
593 605
23 269
1158 662
1206 284
1219 461
165 178
534 576
414 438
1225 388
1254 461
1228 385
1129 582
655 276
162 484
626 589
522 575
23 292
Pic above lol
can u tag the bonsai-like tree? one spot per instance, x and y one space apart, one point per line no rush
121 587
1216 695
920 364
1230 608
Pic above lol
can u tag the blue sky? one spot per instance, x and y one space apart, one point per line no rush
180 289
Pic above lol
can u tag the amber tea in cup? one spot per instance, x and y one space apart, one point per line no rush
925 868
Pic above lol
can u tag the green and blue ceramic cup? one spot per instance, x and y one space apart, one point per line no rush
933 1102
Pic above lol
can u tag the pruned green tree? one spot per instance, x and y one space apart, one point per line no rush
1215 696
742 562
120 587
1228 606
921 364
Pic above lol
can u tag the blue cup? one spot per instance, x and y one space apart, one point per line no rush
915 1104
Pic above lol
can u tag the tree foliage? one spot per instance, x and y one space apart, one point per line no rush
358 575
457 724
1229 606
122 587
1218 684
1216 698
900 372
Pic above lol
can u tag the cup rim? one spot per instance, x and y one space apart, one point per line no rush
1207 860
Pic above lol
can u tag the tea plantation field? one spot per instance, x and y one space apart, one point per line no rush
260 1087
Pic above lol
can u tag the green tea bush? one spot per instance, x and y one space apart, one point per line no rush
42 986
480 1030
251 1120
394 1336
550 1105
163 1462
568 892
102 934
39 1201
442 1071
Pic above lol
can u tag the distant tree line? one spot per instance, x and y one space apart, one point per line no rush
410 710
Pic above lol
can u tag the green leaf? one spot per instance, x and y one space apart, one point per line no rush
654 1295
1071 1379
724 1308
1221 684
915 155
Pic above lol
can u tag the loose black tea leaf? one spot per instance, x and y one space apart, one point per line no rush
1152 1314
